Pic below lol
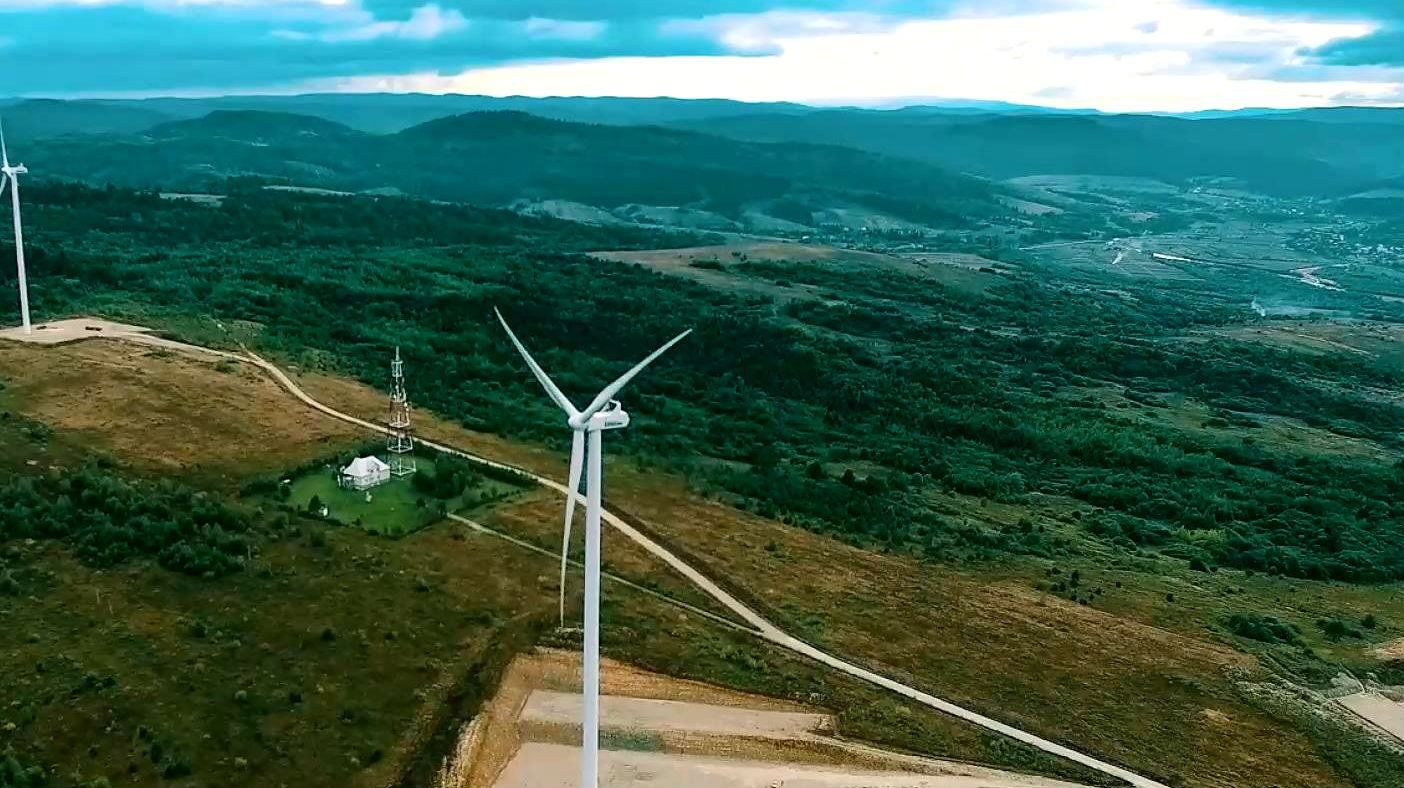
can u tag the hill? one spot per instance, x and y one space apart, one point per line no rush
1316 152
1269 154
502 158
190 154
254 127
510 155
386 113
40 118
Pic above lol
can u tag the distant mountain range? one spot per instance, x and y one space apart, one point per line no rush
506 158
383 113
717 163
1315 153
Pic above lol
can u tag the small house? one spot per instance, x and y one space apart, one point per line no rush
364 473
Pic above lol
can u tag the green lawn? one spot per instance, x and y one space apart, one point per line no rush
393 506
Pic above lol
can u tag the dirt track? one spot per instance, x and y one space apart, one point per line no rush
557 766
1380 711
763 628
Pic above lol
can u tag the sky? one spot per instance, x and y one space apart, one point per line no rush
1112 55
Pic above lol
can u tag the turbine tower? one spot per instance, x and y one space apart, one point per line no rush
399 443
10 175
603 413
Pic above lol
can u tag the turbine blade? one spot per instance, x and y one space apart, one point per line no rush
551 390
4 181
577 463
612 389
4 152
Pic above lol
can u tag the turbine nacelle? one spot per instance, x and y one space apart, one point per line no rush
611 417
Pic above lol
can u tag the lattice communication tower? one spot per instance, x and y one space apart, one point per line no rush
400 441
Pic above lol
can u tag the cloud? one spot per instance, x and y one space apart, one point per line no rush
1096 54
1384 48
564 29
247 45
617 10
1318 9
425 23
1114 54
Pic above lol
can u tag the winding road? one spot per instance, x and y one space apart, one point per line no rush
761 627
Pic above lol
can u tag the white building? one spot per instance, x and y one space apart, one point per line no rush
364 473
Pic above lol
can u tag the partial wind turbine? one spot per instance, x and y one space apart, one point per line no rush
603 413
10 175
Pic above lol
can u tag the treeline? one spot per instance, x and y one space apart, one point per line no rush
920 387
109 520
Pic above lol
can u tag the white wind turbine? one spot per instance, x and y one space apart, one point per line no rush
10 175
603 413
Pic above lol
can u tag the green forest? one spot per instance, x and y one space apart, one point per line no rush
920 387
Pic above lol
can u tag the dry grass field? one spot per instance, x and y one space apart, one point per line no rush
165 412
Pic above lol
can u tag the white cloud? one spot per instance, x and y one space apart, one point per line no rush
425 23
172 4
1122 55
563 30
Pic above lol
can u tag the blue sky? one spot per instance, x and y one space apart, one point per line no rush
1108 54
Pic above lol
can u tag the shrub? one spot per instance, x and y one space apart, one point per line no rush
109 520
178 766
1263 628
1337 629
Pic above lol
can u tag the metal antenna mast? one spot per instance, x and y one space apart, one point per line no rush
400 442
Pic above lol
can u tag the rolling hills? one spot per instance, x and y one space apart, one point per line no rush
1272 154
722 165
498 158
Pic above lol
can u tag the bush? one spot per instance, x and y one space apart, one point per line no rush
109 520
178 766
1262 628
1337 629
14 774
451 477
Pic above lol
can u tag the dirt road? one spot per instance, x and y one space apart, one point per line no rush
762 627
541 765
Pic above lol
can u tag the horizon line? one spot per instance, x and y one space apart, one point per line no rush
883 105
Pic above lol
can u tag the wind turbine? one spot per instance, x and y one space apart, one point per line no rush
10 175
603 413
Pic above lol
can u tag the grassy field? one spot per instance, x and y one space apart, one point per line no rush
389 508
1160 686
394 508
329 661
140 404
1132 676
